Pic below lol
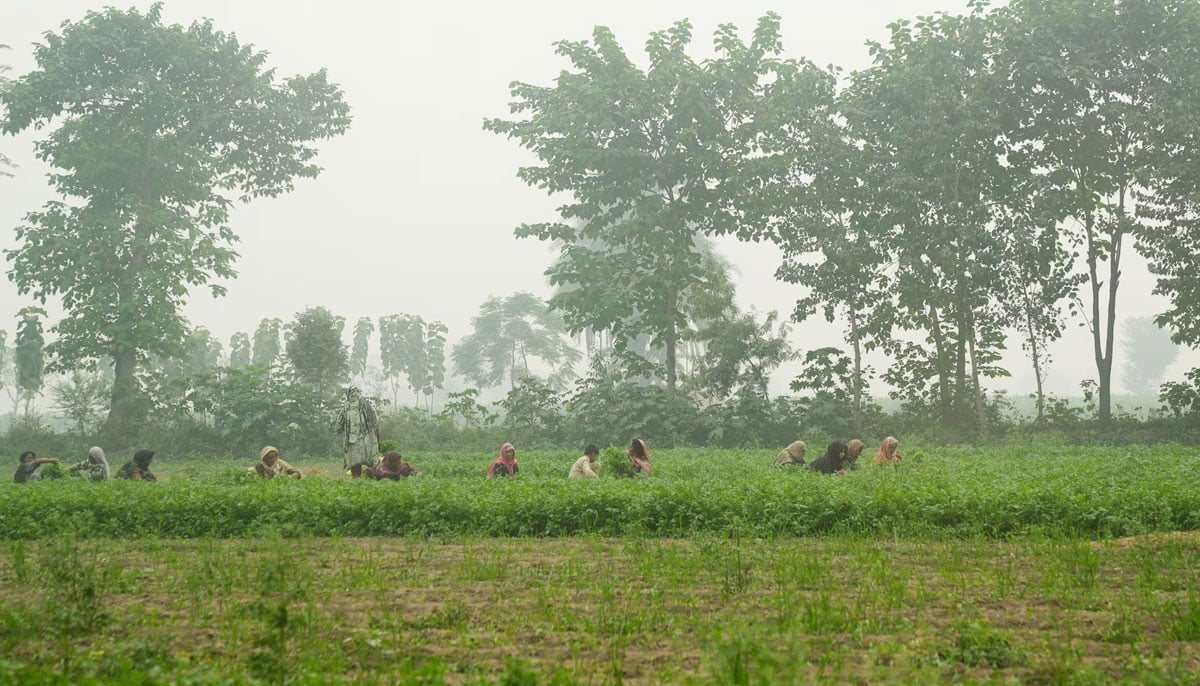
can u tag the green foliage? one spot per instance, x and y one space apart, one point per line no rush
740 354
411 347
533 412
505 334
315 350
239 350
255 406
160 130
978 644
266 342
651 160
29 353
957 492
363 329
462 408
615 462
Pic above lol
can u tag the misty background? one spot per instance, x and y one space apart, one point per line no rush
415 209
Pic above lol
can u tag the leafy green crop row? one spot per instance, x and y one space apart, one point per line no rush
1090 492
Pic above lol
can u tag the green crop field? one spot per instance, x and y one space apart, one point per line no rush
1044 565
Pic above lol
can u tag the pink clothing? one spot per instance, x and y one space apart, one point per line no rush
510 463
887 452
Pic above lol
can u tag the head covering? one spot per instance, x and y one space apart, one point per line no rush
29 453
267 449
884 456
853 449
642 463
834 451
793 454
142 458
392 455
509 462
96 457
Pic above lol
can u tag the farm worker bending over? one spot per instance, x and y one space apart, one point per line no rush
586 467
358 426
270 466
95 464
833 461
887 452
393 467
791 456
639 455
506 464
138 469
853 449
27 470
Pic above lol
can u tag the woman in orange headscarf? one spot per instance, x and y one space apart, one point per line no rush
639 455
506 464
887 452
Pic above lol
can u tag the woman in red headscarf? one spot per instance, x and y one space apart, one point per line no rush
639 455
887 452
506 464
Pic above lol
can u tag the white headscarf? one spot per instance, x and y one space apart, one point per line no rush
96 456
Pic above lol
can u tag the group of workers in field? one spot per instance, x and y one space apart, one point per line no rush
358 427
838 458
94 467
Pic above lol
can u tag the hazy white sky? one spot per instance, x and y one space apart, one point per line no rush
415 210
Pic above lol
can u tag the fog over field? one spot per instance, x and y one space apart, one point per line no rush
415 209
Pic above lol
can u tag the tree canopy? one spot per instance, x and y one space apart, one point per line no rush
161 128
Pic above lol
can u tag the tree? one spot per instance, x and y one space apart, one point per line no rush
649 159
1148 353
411 347
926 112
29 355
266 342
1083 76
239 350
508 332
81 399
363 329
4 69
315 349
162 129
740 353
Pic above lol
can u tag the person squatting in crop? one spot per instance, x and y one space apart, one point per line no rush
27 468
392 468
506 464
887 452
639 455
358 426
271 466
138 469
853 449
96 465
832 462
791 456
586 467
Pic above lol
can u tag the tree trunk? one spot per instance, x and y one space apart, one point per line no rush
1036 355
939 344
120 413
856 385
979 416
672 309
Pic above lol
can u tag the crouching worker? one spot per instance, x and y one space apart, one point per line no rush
27 471
270 466
96 465
586 467
393 468
833 461
791 456
639 455
138 469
